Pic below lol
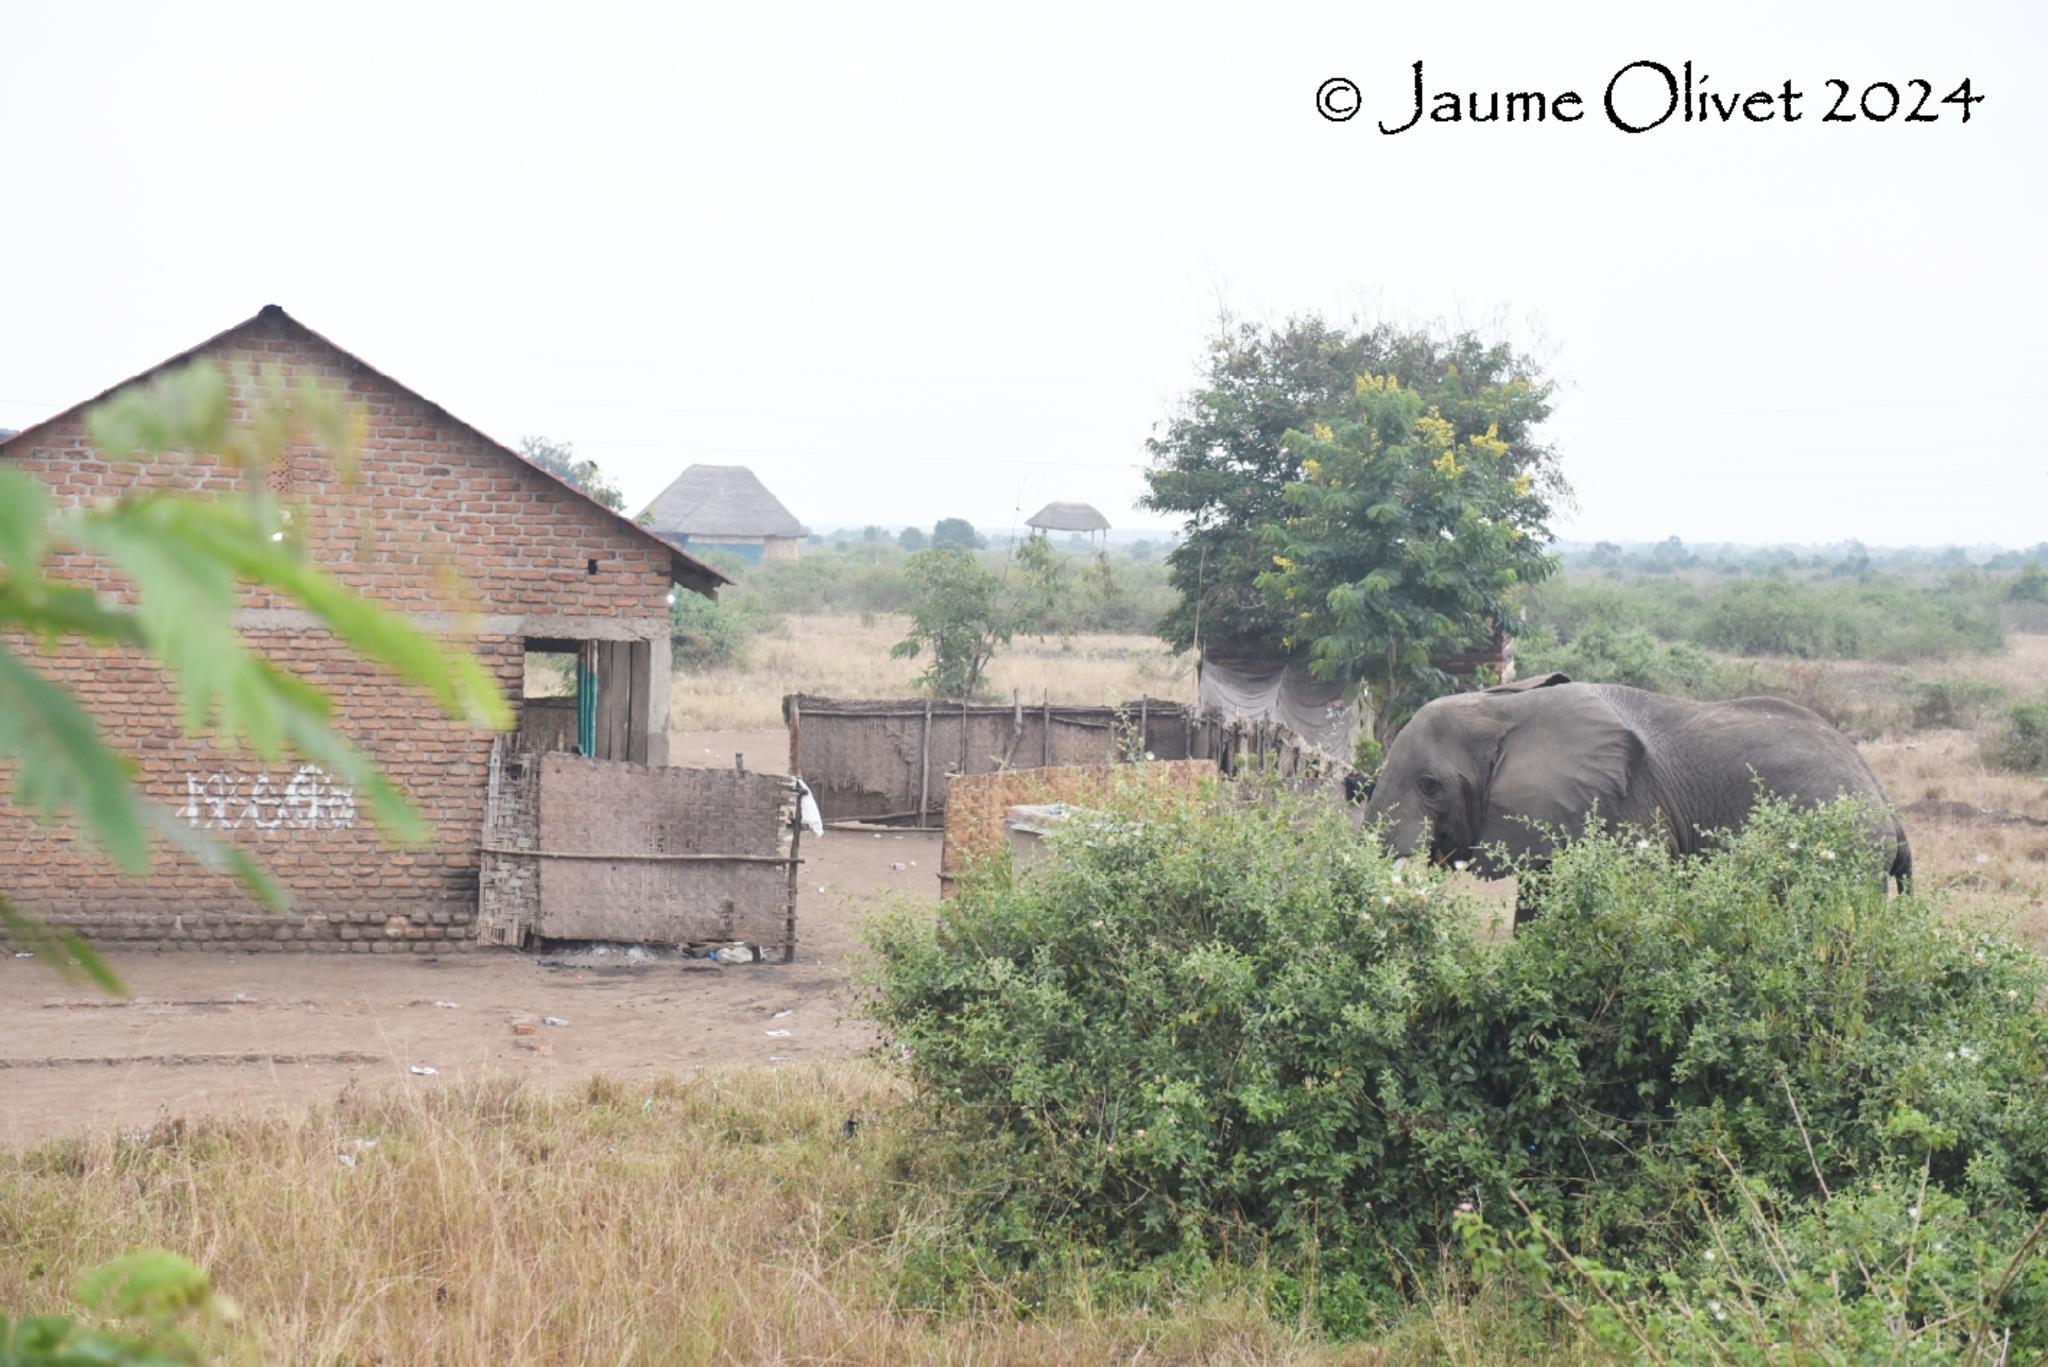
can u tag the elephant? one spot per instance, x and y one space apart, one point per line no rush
1512 766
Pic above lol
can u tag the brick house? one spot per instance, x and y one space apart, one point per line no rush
440 523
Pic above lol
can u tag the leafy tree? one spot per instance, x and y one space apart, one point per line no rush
959 615
1670 554
958 533
1222 460
2030 585
910 539
1108 603
1403 542
1041 598
185 559
871 533
558 458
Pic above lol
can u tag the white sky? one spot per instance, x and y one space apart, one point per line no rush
915 263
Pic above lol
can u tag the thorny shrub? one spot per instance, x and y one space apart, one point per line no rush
1236 1030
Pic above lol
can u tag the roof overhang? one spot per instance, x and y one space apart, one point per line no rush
693 574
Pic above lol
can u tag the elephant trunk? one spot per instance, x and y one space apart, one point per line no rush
1402 832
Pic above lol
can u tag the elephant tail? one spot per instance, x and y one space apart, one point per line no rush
1902 865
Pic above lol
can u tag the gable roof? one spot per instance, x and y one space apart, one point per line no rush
1068 517
721 500
684 569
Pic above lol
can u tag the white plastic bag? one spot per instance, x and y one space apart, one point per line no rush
807 809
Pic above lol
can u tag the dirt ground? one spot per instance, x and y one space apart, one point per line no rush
205 1033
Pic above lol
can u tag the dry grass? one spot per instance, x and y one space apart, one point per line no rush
1977 865
848 657
726 1218
1980 866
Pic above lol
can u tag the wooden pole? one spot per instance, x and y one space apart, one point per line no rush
796 730
796 839
924 766
1045 731
1144 725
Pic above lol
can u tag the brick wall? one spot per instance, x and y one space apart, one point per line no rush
436 521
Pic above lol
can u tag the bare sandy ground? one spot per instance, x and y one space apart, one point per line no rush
206 1033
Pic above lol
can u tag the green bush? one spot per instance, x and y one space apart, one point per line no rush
1887 1270
1571 604
1947 703
707 633
2030 585
1877 617
1632 656
2021 741
153 1297
1184 1026
1235 1030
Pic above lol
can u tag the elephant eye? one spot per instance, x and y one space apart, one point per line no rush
1429 786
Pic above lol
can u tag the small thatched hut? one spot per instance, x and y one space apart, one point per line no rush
1068 517
725 507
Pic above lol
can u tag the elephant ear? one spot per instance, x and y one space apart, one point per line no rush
1563 752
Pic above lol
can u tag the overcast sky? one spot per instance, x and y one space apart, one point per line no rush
961 261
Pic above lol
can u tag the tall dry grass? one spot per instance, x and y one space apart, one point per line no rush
848 657
723 1218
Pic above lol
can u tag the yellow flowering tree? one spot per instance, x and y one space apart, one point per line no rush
1222 462
1401 543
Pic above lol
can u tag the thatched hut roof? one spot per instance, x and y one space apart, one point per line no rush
1068 517
721 500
